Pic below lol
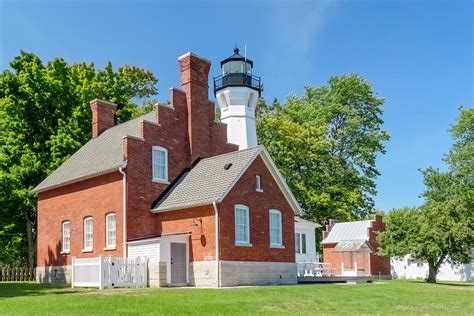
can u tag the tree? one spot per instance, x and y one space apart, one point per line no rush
325 144
442 229
44 118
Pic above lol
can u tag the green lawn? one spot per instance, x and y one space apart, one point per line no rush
384 297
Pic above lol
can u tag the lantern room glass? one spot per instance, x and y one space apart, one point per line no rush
236 66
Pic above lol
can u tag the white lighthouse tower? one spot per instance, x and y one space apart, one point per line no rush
237 92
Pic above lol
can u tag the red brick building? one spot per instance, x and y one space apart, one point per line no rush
350 248
169 186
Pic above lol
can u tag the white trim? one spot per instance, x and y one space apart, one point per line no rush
258 183
84 227
63 249
242 244
247 224
108 245
280 231
160 149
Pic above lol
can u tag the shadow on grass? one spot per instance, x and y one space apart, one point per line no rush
17 289
455 283
447 283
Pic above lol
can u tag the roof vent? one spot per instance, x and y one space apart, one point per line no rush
227 166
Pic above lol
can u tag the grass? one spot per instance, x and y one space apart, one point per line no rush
384 297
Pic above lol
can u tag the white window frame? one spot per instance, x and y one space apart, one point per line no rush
258 181
66 238
86 247
108 244
300 245
246 241
153 163
279 228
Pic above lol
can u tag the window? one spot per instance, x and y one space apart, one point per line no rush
300 240
160 164
66 236
88 234
242 233
259 184
275 228
111 231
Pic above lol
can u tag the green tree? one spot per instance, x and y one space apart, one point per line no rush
443 227
325 144
44 118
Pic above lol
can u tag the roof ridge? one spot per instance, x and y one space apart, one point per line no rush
233 153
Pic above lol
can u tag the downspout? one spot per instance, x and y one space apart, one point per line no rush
216 216
124 208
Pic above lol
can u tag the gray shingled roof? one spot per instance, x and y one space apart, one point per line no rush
208 181
99 155
348 231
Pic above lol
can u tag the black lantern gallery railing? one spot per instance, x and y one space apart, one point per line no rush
237 79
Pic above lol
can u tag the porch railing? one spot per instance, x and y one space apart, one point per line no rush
316 269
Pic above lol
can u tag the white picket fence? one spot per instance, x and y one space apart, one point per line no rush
109 272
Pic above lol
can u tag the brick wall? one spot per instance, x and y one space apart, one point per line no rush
335 258
259 204
95 197
186 128
378 265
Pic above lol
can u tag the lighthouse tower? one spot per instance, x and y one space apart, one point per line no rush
237 92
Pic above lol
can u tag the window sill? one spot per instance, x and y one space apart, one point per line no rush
259 190
87 250
160 181
65 252
110 248
277 246
243 244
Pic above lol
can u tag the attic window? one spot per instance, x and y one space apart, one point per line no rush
258 184
227 166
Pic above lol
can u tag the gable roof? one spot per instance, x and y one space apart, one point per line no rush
305 222
98 156
210 181
348 231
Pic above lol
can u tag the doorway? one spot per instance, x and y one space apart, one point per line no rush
178 262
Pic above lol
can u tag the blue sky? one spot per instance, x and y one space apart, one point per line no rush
417 54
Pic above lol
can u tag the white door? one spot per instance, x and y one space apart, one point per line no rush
178 262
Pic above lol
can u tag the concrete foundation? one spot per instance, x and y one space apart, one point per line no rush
54 275
234 273
157 274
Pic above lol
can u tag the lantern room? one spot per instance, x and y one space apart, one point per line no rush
237 72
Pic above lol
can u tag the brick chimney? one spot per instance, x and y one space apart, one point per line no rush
103 116
328 227
194 81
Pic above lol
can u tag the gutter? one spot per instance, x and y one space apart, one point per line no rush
216 216
124 208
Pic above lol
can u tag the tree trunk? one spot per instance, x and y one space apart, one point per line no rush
31 242
432 272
